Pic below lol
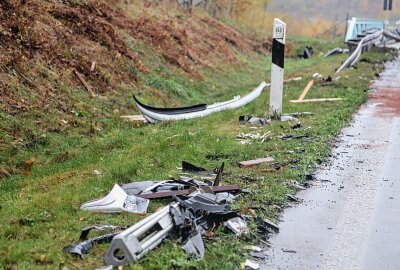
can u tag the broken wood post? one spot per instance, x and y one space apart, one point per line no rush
84 83
315 100
133 118
305 91
277 69
250 163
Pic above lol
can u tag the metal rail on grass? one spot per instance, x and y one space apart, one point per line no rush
370 38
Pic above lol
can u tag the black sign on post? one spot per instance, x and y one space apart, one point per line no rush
387 4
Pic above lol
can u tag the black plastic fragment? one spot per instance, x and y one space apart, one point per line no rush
84 247
173 111
218 178
188 167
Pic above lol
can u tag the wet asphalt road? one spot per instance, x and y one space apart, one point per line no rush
350 217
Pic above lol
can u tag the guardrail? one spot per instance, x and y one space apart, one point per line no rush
366 40
357 26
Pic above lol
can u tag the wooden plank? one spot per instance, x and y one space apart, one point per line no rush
134 117
305 91
84 83
159 195
316 100
250 163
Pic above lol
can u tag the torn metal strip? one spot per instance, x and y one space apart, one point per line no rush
159 195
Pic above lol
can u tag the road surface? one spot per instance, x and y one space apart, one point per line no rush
350 217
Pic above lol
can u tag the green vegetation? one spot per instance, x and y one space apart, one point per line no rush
40 212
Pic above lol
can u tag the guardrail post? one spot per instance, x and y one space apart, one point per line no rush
277 69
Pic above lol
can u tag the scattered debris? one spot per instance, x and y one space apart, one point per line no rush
287 118
316 100
250 163
188 167
254 136
248 264
186 220
293 198
237 225
134 118
97 173
317 75
305 91
253 248
336 51
293 79
289 250
258 254
255 121
271 225
308 53
290 137
296 126
84 247
194 245
299 114
167 194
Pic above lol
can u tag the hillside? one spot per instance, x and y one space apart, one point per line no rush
118 48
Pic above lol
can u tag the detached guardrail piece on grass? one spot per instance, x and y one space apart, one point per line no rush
370 38
154 115
250 163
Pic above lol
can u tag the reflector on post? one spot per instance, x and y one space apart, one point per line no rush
277 69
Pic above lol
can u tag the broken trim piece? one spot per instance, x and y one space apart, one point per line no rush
118 201
155 115
216 189
172 111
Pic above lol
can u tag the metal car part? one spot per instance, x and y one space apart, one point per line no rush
133 243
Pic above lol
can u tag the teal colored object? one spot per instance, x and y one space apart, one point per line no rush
357 25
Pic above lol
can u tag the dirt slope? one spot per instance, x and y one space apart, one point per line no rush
42 37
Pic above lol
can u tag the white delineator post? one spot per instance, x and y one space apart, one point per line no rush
277 69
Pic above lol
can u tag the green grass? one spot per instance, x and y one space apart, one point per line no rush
40 213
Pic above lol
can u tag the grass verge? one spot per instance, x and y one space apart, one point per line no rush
40 212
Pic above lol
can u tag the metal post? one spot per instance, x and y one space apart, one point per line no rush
277 69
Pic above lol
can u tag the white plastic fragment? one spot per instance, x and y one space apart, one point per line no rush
251 265
97 173
237 225
117 201
253 248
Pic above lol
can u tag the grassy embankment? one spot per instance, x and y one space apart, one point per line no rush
40 213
